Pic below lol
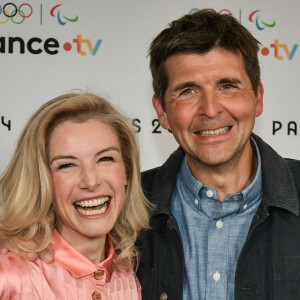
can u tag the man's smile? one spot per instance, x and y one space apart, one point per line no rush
214 132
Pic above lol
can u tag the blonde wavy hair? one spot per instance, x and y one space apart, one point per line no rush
26 189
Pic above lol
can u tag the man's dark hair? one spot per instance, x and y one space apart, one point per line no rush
199 33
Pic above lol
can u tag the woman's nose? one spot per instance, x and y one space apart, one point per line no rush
90 179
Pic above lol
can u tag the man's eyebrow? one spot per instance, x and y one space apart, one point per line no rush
184 85
229 80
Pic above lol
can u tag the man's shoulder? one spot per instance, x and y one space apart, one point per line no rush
293 162
165 171
271 158
150 174
148 178
294 165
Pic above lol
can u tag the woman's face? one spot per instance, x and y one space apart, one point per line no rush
89 179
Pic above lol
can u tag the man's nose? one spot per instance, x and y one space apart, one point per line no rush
209 104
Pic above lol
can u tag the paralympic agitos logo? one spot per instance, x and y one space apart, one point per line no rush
35 45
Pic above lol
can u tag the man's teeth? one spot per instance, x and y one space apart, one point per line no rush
84 206
213 132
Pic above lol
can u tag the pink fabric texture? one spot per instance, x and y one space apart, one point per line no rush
71 276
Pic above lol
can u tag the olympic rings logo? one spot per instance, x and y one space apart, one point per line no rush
10 10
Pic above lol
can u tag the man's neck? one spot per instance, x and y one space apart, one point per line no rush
229 178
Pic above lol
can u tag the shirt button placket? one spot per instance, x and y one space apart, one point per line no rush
99 274
216 276
96 296
219 224
209 193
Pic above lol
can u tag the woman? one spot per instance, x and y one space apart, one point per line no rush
73 182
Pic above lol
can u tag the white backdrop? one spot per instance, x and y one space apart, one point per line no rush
107 54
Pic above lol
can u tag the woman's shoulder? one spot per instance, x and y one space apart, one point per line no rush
11 261
15 276
15 267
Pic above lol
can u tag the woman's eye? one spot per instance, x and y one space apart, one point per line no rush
65 166
106 158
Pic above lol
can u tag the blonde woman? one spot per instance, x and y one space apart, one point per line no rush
73 182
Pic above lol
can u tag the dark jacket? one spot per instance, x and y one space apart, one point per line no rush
269 263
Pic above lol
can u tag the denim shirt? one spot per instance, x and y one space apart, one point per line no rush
213 233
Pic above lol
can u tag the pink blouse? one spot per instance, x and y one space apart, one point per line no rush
72 276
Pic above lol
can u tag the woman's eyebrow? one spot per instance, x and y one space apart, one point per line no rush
58 157
107 150
62 157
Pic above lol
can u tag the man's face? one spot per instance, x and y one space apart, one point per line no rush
210 106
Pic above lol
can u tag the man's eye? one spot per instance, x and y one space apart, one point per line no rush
228 86
65 166
187 92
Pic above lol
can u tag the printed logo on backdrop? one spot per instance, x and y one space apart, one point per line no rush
62 20
35 45
15 14
278 49
260 25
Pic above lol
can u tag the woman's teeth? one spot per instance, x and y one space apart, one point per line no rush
91 207
93 212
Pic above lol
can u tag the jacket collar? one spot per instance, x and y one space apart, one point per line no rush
279 189
279 186
165 180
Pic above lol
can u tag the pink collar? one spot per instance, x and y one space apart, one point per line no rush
76 263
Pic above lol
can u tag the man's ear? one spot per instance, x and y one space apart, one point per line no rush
259 99
161 114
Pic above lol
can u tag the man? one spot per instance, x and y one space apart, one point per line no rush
227 221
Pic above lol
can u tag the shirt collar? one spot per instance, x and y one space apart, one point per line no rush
76 263
248 196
